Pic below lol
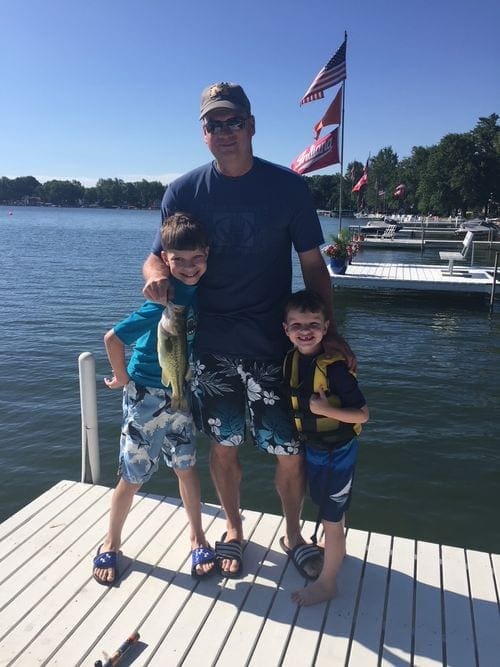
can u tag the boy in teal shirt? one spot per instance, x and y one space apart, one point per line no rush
151 426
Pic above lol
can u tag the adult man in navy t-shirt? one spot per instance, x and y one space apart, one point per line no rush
253 212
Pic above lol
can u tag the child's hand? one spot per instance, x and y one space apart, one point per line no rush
115 383
318 403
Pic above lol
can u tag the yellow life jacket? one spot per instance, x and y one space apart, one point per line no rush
322 432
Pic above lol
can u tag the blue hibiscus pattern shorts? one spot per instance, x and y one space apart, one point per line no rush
227 389
151 428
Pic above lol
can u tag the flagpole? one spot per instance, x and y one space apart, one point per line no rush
342 145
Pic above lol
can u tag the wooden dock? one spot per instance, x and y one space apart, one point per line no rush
418 277
401 602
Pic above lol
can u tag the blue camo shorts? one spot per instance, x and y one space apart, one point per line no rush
150 428
227 389
330 476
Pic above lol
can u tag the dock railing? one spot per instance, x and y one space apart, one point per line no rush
91 465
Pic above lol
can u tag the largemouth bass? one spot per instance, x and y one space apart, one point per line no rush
172 353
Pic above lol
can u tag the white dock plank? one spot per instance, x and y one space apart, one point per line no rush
399 617
428 640
484 608
368 624
335 641
460 645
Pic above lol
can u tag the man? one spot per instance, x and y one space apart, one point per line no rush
253 211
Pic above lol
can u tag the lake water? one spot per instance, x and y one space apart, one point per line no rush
429 464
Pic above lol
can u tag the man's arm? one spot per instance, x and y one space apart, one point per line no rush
157 287
317 278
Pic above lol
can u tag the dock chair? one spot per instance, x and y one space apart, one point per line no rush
452 257
389 232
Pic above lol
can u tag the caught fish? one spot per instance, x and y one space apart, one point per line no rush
172 353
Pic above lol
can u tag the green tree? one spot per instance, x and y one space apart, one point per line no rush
486 136
62 193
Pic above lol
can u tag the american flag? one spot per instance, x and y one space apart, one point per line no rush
332 73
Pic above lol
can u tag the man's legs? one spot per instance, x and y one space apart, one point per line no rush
290 481
121 502
225 469
189 489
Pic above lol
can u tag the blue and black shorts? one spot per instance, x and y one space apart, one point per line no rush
330 476
225 390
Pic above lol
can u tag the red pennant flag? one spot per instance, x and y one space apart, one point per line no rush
332 115
363 180
320 154
400 191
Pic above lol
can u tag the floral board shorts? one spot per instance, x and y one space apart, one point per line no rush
227 389
330 476
150 428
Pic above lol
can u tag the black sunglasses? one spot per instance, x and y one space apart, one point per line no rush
218 126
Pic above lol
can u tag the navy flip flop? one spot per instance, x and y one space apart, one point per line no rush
231 550
106 560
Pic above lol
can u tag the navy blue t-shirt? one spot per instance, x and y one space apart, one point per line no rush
252 222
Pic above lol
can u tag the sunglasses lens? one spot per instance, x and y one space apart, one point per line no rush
231 124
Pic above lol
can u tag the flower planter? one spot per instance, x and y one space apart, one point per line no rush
338 265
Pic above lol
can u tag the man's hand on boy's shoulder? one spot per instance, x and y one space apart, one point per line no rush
334 343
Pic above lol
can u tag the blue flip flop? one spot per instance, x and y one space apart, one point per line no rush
106 560
200 556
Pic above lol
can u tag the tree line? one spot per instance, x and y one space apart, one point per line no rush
107 193
460 174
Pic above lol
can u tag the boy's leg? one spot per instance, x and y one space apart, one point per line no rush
120 507
179 453
325 586
189 489
140 449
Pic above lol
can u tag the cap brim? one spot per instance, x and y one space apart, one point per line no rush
222 104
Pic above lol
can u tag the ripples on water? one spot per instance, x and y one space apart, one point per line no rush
429 464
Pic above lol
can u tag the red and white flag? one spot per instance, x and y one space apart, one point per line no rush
332 73
363 180
400 191
332 115
320 154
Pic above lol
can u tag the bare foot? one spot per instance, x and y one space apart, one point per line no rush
314 593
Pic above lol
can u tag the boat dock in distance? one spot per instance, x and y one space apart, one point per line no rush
400 601
417 277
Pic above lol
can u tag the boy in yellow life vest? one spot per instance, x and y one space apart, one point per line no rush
328 409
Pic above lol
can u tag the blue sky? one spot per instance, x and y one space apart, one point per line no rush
108 88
